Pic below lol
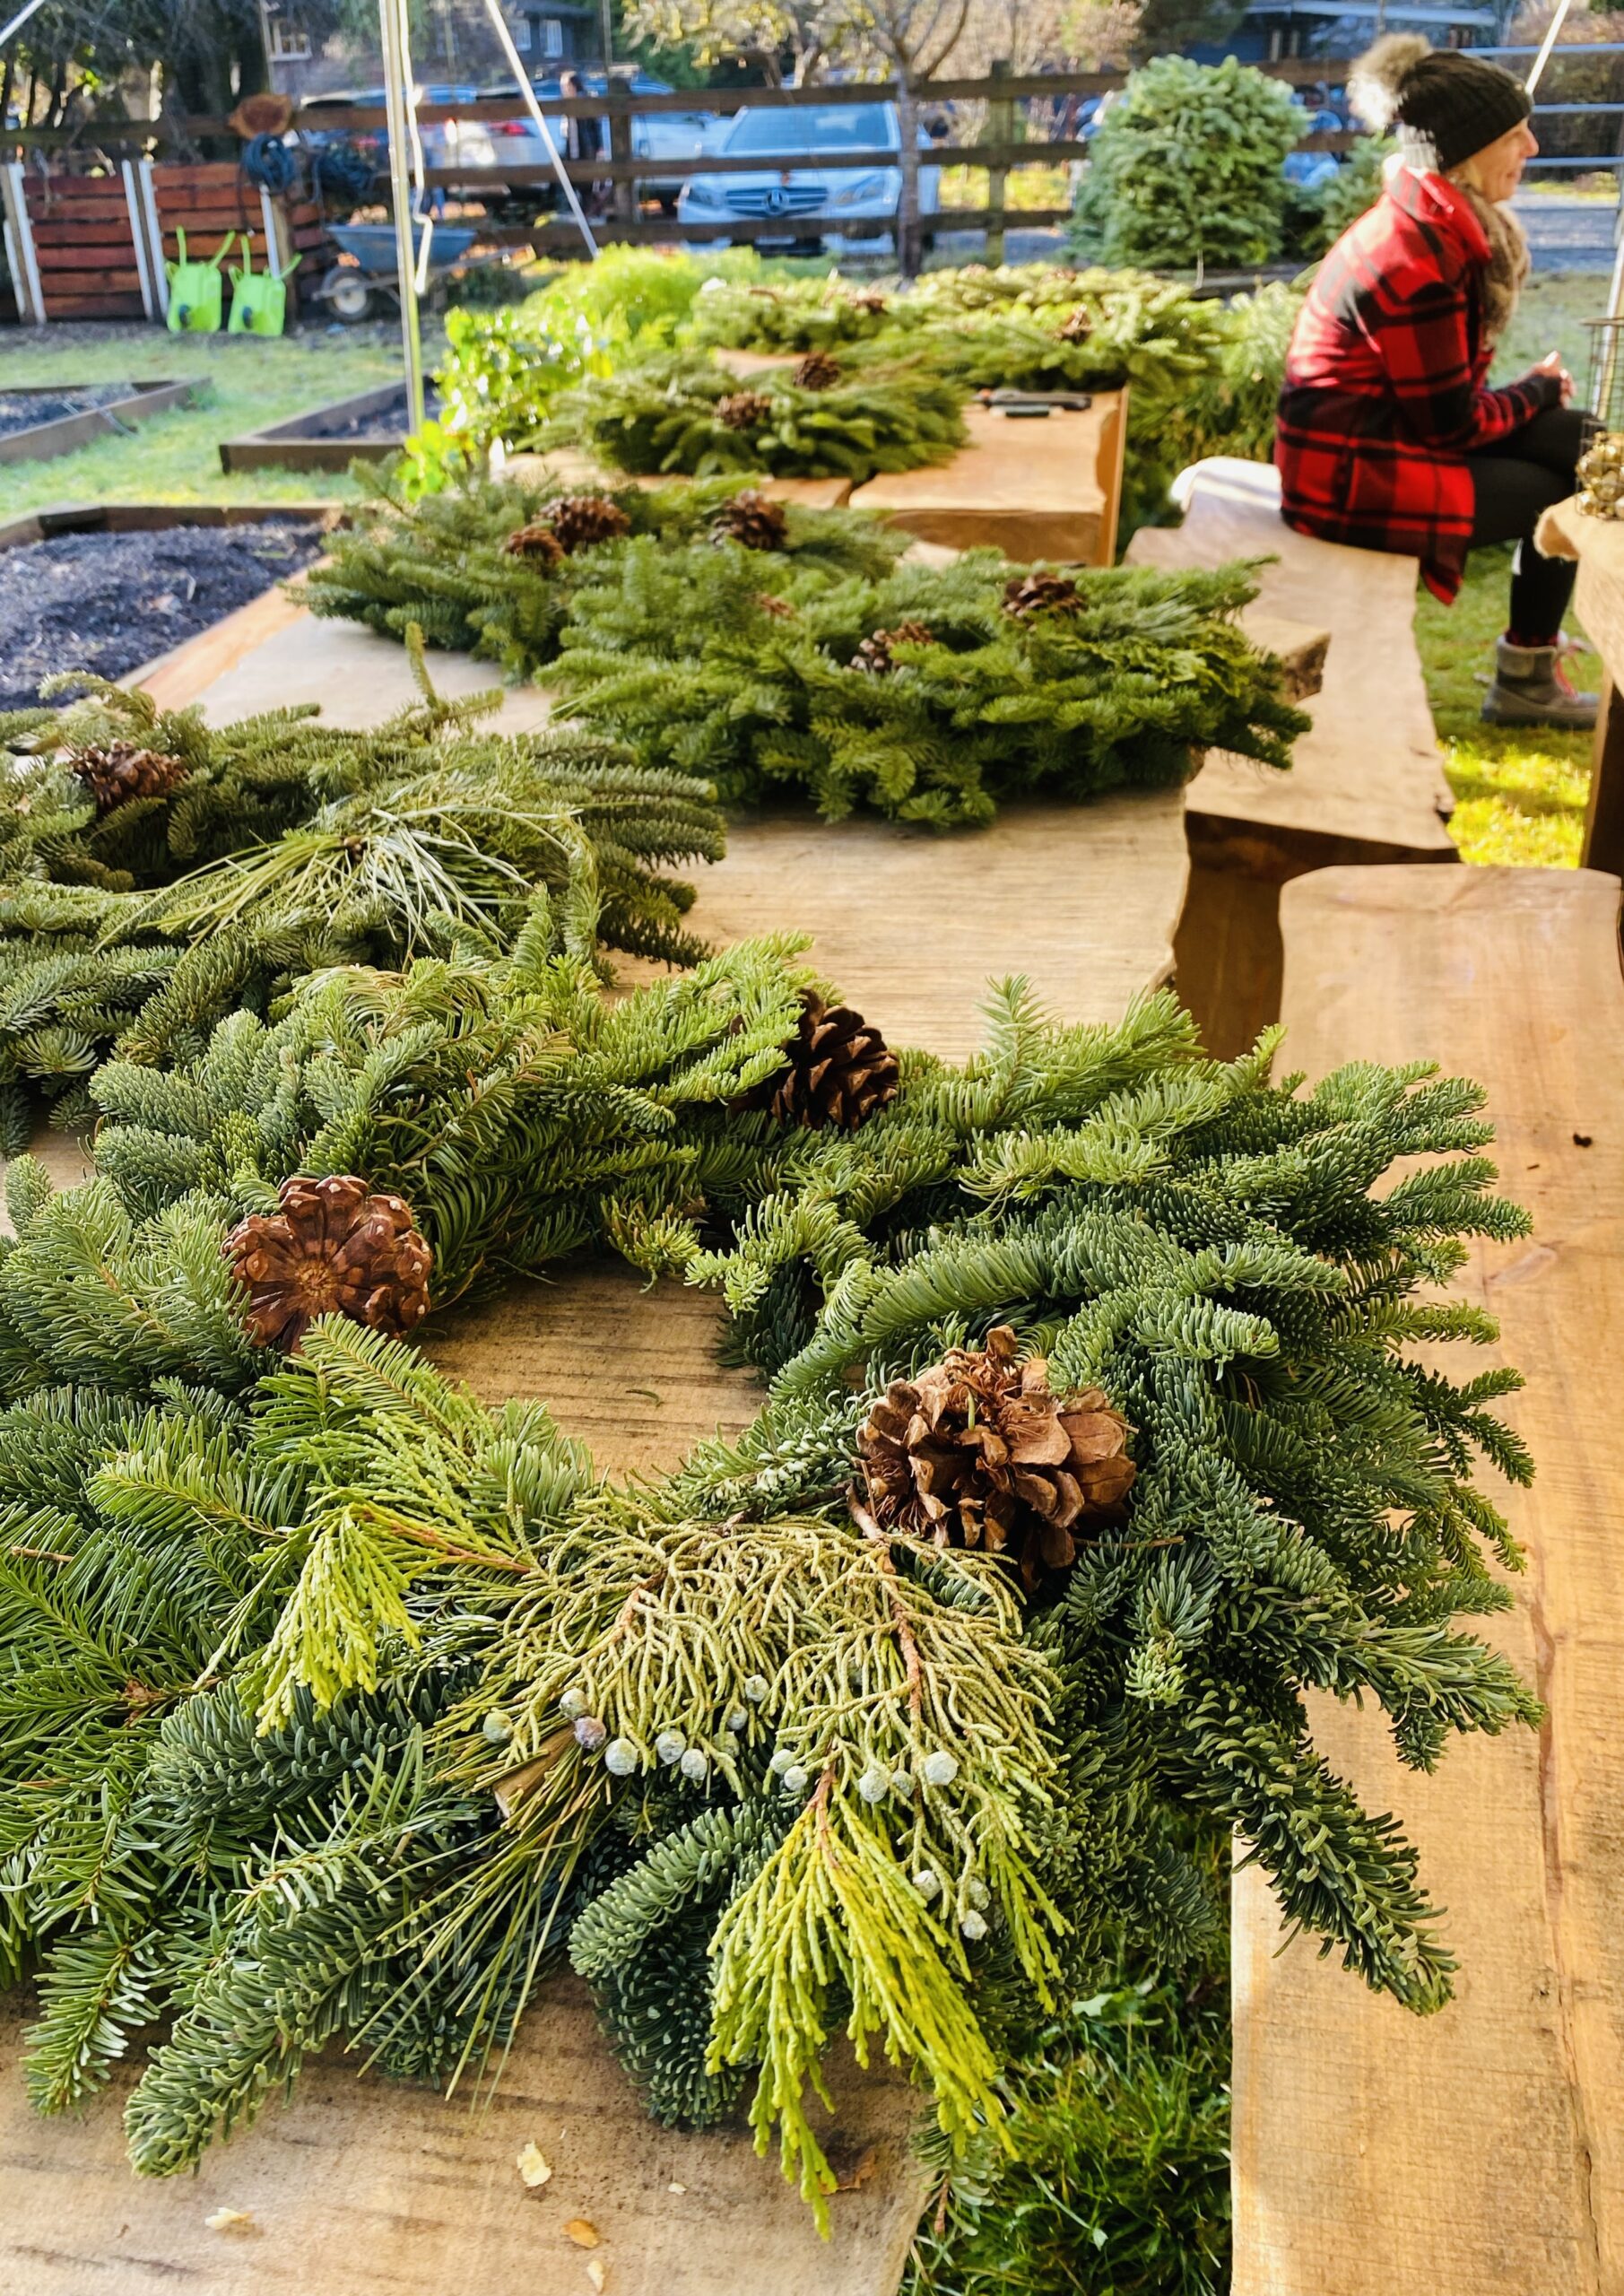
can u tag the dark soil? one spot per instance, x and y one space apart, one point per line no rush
390 421
22 410
110 602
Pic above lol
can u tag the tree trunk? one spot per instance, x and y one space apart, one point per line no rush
907 208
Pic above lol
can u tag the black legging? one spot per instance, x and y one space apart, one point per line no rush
1514 481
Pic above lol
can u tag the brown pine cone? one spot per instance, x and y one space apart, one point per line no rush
840 1072
537 541
1076 326
780 609
580 520
1041 592
873 305
743 410
874 654
979 1452
816 372
116 771
333 1249
754 521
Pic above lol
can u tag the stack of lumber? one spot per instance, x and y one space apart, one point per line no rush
84 246
214 198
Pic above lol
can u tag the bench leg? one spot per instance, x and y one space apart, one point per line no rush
1603 845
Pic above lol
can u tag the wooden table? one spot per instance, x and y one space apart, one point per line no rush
1480 2151
1043 488
1598 544
359 2190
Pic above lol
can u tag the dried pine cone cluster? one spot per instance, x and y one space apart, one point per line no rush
780 609
874 654
754 521
816 372
1041 592
575 522
840 1071
1076 326
743 410
116 771
332 1248
872 305
979 1452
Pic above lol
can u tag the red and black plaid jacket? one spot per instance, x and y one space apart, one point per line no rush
1384 396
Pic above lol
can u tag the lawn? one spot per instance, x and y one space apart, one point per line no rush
244 383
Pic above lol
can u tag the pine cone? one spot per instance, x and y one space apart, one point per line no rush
873 305
1076 326
874 654
743 410
840 1072
978 1452
754 521
333 1249
580 520
116 771
1041 592
537 541
816 372
780 609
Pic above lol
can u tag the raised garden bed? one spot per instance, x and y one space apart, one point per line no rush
369 427
53 419
109 588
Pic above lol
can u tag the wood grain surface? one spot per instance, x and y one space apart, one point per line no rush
1034 488
1367 782
1481 2152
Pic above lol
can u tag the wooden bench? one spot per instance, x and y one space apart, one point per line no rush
1367 782
1479 2152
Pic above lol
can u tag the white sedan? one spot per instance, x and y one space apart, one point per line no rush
815 202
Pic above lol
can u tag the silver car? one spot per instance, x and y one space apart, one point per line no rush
815 202
496 144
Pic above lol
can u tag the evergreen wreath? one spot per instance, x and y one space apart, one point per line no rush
340 1706
442 563
976 704
682 413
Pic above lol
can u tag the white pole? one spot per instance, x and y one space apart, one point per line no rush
392 22
1547 44
493 9
19 20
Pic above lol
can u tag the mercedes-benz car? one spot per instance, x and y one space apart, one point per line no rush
815 203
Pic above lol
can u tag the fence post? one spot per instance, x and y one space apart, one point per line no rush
1000 129
620 148
19 245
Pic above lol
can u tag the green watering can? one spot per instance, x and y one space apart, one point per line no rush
259 299
195 290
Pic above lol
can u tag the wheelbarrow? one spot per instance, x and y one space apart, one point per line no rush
367 277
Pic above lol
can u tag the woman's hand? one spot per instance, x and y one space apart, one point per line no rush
1551 364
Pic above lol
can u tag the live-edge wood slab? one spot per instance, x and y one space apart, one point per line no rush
1045 487
1478 2151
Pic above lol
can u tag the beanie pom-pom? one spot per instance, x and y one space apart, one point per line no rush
1375 85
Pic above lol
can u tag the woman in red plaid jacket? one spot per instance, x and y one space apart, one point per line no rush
1388 436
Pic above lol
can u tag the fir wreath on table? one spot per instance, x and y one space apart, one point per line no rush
338 1705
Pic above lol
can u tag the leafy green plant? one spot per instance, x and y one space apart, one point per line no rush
1185 170
1344 198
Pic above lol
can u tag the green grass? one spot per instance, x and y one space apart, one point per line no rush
243 385
1520 794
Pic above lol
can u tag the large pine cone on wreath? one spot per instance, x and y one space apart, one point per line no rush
537 541
979 1452
1076 326
116 771
872 305
780 609
743 410
754 521
1041 592
333 1249
874 654
581 520
816 372
840 1072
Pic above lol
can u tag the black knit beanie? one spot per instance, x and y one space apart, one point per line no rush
1442 104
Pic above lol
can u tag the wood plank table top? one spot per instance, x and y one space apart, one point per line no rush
359 2190
1367 782
1480 2151
1033 488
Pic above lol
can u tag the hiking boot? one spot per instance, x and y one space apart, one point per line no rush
1532 688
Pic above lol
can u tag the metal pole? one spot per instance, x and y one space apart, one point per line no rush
392 22
1547 44
19 20
500 25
